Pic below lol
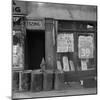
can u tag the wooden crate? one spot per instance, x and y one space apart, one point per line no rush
37 81
59 81
26 80
15 81
48 80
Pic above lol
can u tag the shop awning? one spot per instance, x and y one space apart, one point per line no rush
62 11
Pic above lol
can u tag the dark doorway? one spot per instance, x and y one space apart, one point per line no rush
34 48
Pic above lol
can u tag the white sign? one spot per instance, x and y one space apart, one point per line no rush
34 24
65 64
65 42
85 46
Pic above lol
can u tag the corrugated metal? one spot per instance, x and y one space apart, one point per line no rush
62 11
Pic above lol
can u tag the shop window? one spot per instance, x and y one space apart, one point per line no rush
86 26
66 25
65 49
17 38
76 37
17 49
86 50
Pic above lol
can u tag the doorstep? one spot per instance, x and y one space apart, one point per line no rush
54 93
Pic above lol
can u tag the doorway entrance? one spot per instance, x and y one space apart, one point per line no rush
34 48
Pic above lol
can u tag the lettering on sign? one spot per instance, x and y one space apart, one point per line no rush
65 42
18 7
85 46
34 24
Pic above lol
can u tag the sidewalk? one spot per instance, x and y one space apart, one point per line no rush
68 92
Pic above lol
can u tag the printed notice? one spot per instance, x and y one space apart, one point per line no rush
85 46
65 42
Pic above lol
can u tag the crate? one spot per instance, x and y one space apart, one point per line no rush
26 80
15 81
59 81
48 80
37 81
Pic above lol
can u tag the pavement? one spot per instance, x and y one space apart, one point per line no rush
54 93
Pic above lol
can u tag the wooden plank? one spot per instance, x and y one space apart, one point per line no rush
48 80
37 81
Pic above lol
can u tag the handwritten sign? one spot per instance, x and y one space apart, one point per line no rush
85 46
34 24
65 43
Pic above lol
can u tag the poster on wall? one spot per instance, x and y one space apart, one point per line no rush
85 46
65 42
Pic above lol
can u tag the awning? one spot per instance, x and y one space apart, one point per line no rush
62 11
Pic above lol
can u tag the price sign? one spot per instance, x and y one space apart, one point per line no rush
85 46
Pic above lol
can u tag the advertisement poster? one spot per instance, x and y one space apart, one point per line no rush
65 43
85 46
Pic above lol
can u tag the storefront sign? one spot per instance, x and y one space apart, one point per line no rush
35 24
65 42
85 46
18 7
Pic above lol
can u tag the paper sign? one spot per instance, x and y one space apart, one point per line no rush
59 67
85 46
83 64
65 64
72 65
65 43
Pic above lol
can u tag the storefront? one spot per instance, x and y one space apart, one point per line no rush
53 44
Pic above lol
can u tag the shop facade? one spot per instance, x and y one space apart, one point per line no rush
53 45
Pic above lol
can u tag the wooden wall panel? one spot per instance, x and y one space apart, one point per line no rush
50 44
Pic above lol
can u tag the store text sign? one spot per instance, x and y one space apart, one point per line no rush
35 24
85 47
18 7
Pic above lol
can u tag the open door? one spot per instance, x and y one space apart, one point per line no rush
34 48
